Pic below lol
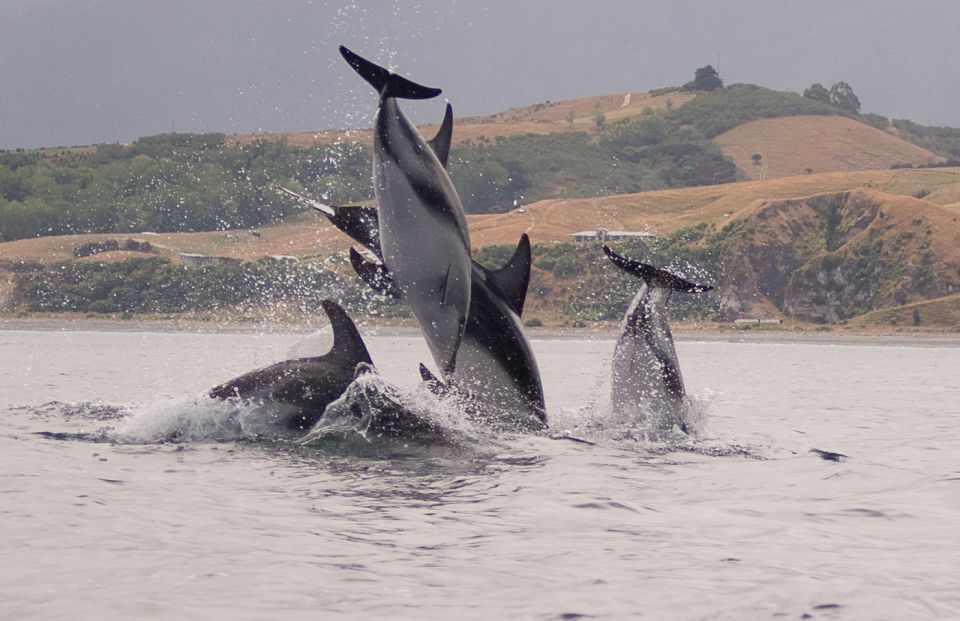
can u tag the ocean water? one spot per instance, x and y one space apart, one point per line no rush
102 517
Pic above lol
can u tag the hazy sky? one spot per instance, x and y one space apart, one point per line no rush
85 71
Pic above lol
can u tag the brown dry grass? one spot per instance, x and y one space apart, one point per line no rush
662 211
666 211
933 314
542 118
791 145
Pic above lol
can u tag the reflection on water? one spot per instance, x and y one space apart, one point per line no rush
182 510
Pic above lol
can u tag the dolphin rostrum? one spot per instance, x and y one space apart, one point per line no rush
496 364
422 228
297 391
646 385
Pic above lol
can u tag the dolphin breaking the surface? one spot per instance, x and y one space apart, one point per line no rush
496 365
646 385
422 228
298 391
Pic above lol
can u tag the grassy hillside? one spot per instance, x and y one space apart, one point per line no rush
669 210
799 145
570 115
823 230
594 146
817 248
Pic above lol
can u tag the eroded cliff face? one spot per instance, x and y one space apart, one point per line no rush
830 257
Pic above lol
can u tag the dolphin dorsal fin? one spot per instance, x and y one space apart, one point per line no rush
441 142
347 342
376 275
385 82
511 281
653 276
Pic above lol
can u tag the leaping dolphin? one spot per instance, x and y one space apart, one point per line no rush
298 391
422 228
495 362
496 372
647 386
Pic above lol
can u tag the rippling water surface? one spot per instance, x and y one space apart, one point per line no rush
101 519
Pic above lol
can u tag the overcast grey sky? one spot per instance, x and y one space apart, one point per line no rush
86 71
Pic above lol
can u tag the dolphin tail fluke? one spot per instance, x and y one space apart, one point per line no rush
347 341
386 83
653 276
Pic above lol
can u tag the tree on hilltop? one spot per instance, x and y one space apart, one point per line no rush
842 96
818 92
707 79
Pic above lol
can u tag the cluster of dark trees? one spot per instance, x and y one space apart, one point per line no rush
840 95
171 182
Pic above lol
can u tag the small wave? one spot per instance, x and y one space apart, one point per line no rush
599 424
374 413
198 419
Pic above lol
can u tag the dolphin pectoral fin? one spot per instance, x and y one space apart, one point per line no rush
512 280
652 276
441 142
358 221
323 208
347 342
361 223
376 275
386 83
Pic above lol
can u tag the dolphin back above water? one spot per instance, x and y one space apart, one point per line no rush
422 228
646 384
297 391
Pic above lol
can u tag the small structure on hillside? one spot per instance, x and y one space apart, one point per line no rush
602 235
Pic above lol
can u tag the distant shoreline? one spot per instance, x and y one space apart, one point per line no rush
699 332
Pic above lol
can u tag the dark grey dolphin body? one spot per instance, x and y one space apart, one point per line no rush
496 365
422 228
297 391
646 384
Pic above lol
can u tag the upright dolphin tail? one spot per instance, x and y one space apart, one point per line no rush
386 83
652 276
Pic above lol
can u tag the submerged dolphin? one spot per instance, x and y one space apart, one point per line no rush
376 410
646 383
422 228
495 364
298 391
